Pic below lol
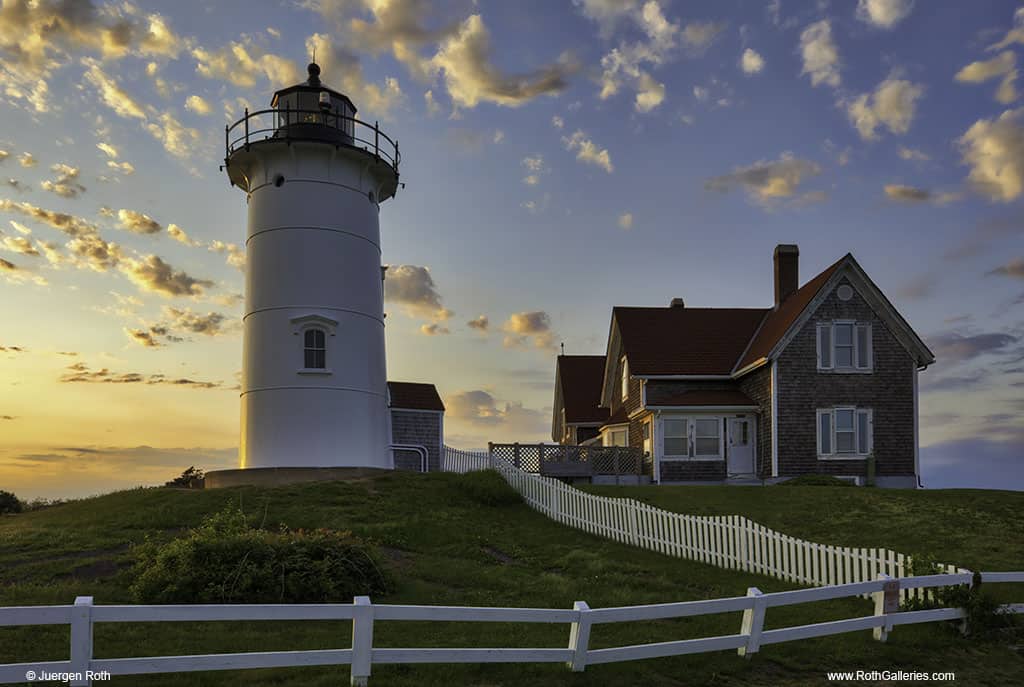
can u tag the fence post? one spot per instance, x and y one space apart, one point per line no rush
753 623
362 640
81 640
579 637
886 601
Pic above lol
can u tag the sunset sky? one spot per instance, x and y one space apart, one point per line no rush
560 158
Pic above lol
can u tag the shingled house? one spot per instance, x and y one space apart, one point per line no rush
417 419
815 384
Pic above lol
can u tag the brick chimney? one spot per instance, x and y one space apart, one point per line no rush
787 271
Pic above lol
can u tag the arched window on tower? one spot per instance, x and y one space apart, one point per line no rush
315 349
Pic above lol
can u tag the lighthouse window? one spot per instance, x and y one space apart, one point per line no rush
316 349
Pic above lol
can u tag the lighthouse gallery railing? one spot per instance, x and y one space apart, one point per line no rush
310 125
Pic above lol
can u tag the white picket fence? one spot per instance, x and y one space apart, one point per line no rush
727 541
83 666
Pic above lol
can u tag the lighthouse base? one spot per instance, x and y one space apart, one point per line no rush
272 477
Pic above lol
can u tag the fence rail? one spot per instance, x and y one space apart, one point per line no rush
727 541
362 655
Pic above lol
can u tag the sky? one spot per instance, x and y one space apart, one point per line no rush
560 158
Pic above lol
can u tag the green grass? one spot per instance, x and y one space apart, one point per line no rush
461 540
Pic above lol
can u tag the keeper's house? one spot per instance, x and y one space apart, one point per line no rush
825 381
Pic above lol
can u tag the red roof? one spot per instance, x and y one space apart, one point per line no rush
779 321
690 341
414 396
581 377
696 397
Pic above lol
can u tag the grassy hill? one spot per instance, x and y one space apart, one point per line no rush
444 543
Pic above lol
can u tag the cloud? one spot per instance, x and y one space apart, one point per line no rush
751 62
917 288
892 105
178 321
81 373
627 62
90 251
698 36
481 323
235 253
69 224
649 93
413 287
884 14
177 139
179 235
4 154
66 184
17 185
13 349
20 245
481 408
137 222
952 347
1003 66
607 13
907 194
341 68
523 326
125 168
197 104
471 77
978 463
109 150
766 181
111 93
587 151
994 150
431 104
27 160
535 167
143 337
626 221
243 64
433 329
972 380
1014 268
912 154
1014 35
557 122
152 274
820 54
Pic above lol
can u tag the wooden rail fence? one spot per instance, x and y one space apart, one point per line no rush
83 666
727 541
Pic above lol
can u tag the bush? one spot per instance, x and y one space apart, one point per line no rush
192 478
487 488
226 561
984 613
9 503
816 481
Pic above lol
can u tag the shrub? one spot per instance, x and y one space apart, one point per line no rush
9 503
226 561
816 481
487 488
192 478
984 615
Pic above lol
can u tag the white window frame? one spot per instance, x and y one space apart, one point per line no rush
607 437
690 433
625 378
862 360
833 452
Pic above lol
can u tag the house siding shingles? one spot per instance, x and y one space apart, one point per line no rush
417 428
887 390
692 470
758 386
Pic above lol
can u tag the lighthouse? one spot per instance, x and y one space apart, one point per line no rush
314 385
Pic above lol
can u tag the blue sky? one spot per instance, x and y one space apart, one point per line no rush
559 159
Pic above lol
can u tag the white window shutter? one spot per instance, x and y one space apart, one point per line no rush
863 345
825 346
824 426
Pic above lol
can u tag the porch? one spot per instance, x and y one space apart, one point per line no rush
601 464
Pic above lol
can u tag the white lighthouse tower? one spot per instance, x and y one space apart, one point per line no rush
314 389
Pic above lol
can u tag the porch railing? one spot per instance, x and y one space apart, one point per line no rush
557 460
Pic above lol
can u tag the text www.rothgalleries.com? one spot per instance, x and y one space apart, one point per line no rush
892 675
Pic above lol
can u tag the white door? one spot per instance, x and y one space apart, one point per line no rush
741 446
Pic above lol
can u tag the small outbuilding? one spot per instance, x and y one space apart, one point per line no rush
417 420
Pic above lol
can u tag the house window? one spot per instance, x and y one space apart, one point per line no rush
315 349
844 345
625 379
645 434
618 437
707 435
844 432
675 442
